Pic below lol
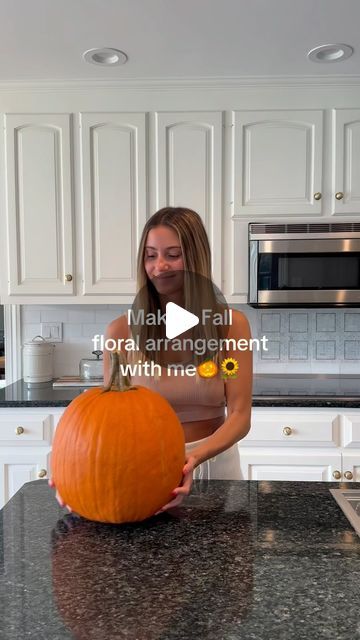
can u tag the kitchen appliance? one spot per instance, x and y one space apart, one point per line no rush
38 361
304 265
92 368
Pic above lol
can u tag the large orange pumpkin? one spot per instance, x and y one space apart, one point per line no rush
118 452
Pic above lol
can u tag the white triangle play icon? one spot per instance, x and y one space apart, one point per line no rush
178 320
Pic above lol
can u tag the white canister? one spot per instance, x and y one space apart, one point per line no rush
38 358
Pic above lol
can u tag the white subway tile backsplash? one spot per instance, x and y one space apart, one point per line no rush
106 315
90 330
30 316
71 330
30 331
82 316
54 315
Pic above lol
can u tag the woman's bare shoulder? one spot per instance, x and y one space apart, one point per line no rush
118 328
240 326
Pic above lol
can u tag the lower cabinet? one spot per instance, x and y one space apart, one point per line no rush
287 465
19 467
283 444
302 444
25 447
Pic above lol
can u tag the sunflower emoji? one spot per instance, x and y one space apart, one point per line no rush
229 368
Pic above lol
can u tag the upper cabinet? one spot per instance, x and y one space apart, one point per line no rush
39 211
278 163
187 169
113 211
76 189
347 161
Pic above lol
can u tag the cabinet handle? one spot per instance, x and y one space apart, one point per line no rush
348 475
68 277
287 431
42 473
337 475
19 431
317 195
339 195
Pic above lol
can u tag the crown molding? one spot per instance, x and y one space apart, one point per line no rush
171 83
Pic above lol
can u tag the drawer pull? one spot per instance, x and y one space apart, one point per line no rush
317 195
42 473
348 475
19 431
287 431
337 475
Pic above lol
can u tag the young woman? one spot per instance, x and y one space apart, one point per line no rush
174 242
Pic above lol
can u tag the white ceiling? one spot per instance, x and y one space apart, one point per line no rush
43 40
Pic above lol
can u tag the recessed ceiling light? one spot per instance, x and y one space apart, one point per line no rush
105 56
330 53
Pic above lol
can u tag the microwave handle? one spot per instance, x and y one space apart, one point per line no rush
253 271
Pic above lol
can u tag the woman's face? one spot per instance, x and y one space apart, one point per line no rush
163 258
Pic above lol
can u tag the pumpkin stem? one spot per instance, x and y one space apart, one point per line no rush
118 380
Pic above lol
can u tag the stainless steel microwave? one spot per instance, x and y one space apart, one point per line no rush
304 265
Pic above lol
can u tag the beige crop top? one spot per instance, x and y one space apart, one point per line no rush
192 397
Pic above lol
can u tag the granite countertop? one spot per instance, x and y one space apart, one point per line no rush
237 560
270 390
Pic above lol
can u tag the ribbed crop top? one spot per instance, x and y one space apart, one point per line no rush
192 397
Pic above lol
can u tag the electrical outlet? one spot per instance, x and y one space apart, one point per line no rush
51 331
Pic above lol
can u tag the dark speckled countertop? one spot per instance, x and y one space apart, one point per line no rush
238 560
269 390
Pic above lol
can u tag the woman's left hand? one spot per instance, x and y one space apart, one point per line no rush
184 489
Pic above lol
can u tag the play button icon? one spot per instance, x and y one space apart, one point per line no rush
178 320
177 317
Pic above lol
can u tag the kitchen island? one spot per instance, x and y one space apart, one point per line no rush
237 560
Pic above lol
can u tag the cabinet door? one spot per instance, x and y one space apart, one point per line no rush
39 204
351 466
293 429
113 160
351 430
278 163
188 170
347 161
306 465
19 467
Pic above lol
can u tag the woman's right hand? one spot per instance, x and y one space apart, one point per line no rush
58 497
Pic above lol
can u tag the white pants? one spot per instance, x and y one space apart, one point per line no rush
224 466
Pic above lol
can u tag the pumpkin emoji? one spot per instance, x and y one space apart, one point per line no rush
207 369
118 451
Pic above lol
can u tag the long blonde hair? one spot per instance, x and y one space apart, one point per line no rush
196 255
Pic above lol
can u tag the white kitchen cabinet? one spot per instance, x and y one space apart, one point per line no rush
351 466
278 163
302 444
113 169
346 196
25 446
186 160
274 464
18 467
39 211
